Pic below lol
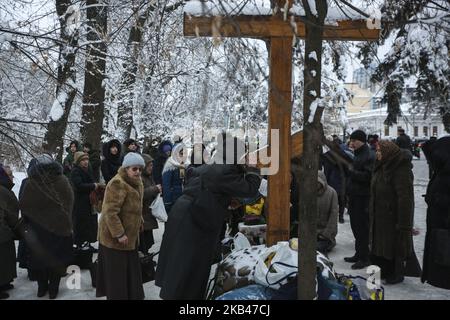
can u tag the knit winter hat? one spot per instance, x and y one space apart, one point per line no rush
133 159
359 135
388 149
80 156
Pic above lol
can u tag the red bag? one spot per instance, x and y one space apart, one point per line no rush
96 198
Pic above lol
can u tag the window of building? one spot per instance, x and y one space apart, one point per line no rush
425 131
435 131
416 131
386 131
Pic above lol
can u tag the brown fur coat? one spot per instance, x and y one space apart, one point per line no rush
121 212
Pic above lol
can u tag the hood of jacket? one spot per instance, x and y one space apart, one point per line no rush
107 153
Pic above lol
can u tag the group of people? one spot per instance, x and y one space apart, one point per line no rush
58 215
375 182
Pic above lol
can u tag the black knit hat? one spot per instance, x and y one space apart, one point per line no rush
359 135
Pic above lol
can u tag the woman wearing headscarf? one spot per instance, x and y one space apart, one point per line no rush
119 272
46 205
85 223
392 213
436 257
112 159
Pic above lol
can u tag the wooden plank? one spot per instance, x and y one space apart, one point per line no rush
280 107
262 27
296 148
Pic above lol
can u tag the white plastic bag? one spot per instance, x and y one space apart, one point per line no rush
241 242
158 209
282 266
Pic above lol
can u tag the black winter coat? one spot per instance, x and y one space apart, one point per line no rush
193 229
84 221
392 212
46 203
160 161
438 212
404 142
111 163
361 173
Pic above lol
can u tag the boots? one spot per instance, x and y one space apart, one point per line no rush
42 288
53 287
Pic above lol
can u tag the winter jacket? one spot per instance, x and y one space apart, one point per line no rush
150 193
391 210
121 212
404 142
160 161
111 163
193 229
9 215
438 213
46 204
95 163
172 182
84 221
328 210
361 172
69 159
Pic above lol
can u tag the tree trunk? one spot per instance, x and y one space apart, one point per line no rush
94 89
126 89
312 136
53 140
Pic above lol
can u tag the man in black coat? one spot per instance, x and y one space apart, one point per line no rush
194 226
359 197
403 140
436 257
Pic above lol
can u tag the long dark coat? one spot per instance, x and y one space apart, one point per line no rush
188 246
9 215
46 204
111 163
150 193
392 212
438 212
85 223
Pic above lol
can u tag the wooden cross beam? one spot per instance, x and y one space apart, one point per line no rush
279 33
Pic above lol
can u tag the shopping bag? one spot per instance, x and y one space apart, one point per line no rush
158 209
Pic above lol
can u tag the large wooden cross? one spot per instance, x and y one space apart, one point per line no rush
279 33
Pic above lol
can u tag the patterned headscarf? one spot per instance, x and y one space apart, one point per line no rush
388 149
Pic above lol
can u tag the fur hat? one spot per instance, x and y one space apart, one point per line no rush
133 159
80 156
359 135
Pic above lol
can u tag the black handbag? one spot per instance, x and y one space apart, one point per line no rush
440 243
147 268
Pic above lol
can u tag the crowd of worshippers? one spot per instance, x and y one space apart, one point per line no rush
370 179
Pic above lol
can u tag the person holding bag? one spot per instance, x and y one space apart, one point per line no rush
151 191
119 274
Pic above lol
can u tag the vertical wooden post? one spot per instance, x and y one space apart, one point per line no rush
280 105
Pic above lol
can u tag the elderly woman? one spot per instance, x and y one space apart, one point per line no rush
119 272
46 205
392 212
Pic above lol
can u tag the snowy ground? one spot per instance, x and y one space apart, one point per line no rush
410 289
